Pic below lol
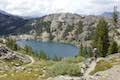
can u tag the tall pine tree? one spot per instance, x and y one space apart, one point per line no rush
115 17
114 22
101 39
113 48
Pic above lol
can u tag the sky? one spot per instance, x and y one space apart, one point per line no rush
43 7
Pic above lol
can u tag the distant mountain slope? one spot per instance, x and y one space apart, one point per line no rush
3 12
108 14
9 23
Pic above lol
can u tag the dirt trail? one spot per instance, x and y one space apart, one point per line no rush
31 63
90 69
30 57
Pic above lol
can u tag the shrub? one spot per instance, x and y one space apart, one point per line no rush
74 59
64 69
56 58
11 43
42 55
28 50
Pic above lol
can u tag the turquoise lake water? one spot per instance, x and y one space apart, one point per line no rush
51 48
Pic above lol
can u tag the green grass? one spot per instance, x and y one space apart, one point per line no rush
101 66
21 76
115 61
30 73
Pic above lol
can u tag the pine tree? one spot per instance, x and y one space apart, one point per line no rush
15 47
114 22
118 49
42 55
113 48
81 53
28 50
90 53
115 16
101 38
85 51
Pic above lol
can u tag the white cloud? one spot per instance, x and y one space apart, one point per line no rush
40 7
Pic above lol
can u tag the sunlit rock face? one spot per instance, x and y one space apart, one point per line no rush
45 36
64 26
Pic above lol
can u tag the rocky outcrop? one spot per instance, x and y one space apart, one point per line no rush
110 74
7 54
45 36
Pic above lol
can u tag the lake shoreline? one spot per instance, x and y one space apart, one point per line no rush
60 42
32 37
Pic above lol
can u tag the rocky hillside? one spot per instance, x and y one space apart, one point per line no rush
56 27
63 26
9 23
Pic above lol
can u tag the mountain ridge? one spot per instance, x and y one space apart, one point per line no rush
55 27
109 14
